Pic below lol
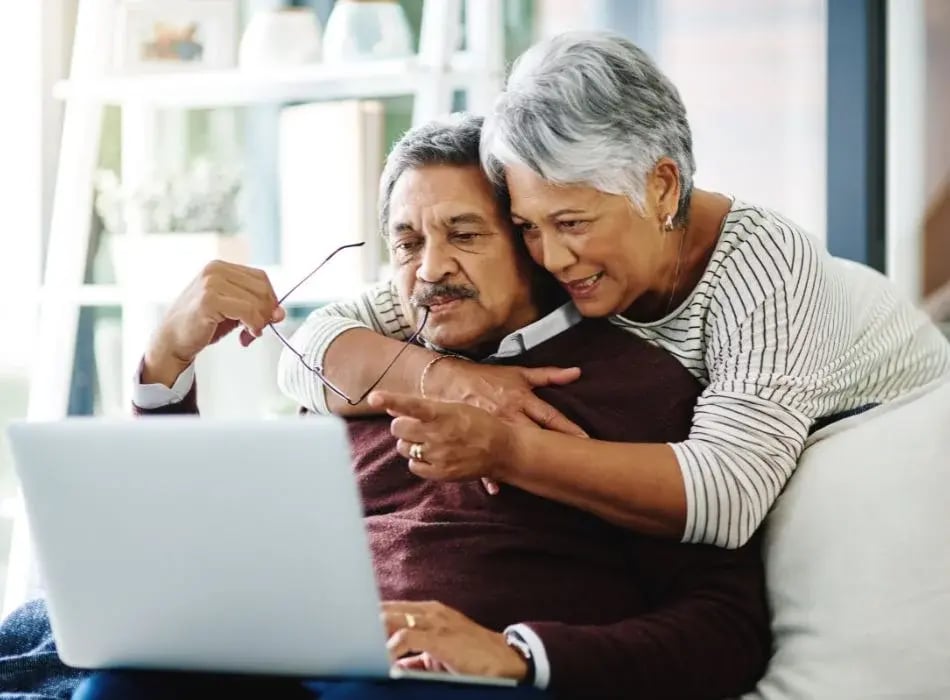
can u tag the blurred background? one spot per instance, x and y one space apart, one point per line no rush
142 138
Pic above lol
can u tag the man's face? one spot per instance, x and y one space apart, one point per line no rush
453 252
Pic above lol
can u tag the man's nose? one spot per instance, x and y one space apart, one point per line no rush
437 263
555 256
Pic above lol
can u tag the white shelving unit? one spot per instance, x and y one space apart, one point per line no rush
232 88
431 78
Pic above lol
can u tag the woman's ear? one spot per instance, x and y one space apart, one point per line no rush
665 188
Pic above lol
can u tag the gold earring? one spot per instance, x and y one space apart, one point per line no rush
668 223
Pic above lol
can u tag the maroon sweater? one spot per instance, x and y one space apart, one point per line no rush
620 615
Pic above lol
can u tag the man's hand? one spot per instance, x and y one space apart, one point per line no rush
506 392
435 637
221 298
458 442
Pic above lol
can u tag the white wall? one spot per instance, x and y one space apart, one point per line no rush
906 134
21 179
753 77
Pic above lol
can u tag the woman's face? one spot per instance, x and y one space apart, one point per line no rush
603 251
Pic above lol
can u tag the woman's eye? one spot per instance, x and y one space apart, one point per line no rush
526 229
570 225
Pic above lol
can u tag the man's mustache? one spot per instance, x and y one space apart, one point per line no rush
441 293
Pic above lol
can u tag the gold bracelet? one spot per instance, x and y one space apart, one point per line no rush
430 365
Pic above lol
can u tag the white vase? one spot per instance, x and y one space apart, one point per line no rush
360 30
281 37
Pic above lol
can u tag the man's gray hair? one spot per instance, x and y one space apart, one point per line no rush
590 108
453 140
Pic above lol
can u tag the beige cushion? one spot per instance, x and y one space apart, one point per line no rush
858 560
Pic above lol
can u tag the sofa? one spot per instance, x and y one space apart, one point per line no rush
857 553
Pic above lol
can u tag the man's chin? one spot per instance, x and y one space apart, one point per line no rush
457 337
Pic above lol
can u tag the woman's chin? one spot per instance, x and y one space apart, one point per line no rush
596 307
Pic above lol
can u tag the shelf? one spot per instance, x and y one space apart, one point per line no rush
315 293
235 87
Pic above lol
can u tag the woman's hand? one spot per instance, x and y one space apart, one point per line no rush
506 392
435 637
448 441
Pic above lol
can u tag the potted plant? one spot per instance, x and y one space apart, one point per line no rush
186 220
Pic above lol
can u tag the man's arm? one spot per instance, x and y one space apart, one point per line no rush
220 299
186 405
708 635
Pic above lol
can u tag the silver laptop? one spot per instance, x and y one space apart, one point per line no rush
206 545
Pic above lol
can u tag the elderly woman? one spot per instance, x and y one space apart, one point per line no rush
594 147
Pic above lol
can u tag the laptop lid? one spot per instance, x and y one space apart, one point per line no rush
202 544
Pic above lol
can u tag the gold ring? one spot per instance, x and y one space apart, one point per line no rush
410 620
415 452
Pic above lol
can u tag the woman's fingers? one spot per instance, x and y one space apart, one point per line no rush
404 405
548 417
546 376
409 429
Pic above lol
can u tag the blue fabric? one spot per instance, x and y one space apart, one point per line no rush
150 685
30 668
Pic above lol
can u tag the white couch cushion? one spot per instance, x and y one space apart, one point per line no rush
857 553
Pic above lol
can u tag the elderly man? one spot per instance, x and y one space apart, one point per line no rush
509 584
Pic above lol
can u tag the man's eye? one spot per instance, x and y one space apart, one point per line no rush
462 237
406 246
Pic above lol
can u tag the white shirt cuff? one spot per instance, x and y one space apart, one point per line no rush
542 668
151 396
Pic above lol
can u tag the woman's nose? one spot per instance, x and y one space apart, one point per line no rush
555 256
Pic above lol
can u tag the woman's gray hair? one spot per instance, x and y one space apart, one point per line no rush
590 108
453 140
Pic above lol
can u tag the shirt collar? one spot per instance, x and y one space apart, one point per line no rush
538 332
530 336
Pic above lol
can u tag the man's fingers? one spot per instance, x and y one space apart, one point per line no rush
406 641
404 405
228 301
244 284
545 376
417 607
422 662
491 486
395 621
418 662
545 415
254 281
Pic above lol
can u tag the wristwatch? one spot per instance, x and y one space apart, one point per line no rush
517 642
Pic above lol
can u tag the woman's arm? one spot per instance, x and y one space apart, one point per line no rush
768 360
748 430
353 341
636 486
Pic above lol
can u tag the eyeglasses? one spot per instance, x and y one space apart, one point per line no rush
318 371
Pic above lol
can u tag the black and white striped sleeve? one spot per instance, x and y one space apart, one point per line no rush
377 309
773 329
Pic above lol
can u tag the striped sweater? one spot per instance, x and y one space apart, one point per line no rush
779 333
